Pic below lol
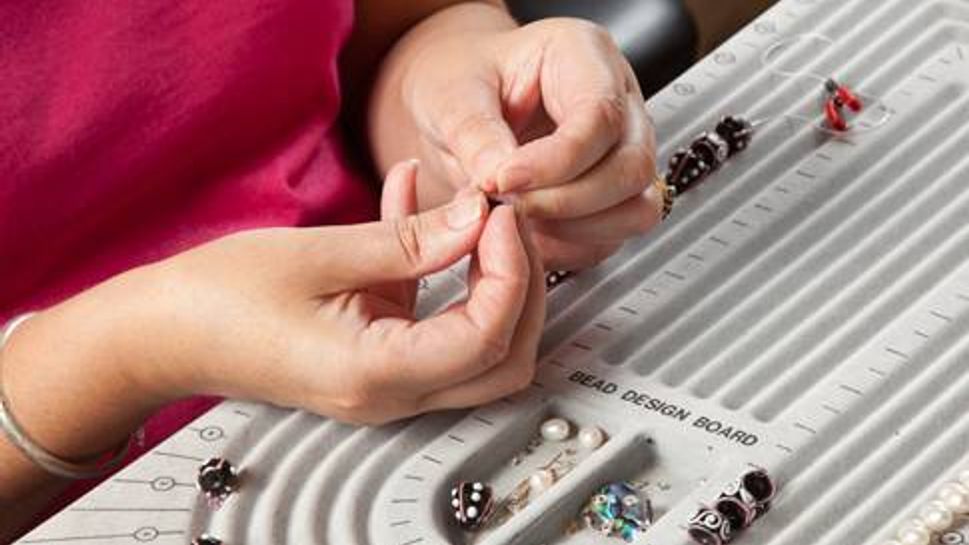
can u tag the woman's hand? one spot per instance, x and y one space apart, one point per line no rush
317 318
322 319
549 115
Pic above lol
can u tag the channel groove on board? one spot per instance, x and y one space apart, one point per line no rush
270 519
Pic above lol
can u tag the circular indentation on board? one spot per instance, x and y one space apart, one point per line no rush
684 89
146 534
724 58
211 434
162 484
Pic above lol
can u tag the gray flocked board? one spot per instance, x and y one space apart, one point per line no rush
805 310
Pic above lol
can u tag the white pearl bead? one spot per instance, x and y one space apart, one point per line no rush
914 533
556 429
964 477
936 516
591 438
541 480
955 497
472 512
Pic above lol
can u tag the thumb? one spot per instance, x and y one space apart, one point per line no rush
475 131
399 196
399 200
402 248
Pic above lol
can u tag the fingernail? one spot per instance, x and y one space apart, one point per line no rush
465 213
513 178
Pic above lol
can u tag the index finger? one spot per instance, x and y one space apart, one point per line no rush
589 110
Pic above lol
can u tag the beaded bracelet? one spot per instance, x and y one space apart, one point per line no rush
47 461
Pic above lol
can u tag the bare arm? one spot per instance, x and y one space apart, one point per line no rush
65 382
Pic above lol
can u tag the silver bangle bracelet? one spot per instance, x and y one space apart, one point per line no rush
34 452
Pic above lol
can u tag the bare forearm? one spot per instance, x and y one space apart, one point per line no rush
64 383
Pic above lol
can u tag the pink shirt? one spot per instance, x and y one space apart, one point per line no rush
130 131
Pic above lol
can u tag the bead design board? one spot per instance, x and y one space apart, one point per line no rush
805 310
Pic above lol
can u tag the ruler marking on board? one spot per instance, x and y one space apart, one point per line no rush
851 389
582 346
456 439
920 333
805 428
823 156
939 315
785 448
83 538
414 541
695 257
720 241
782 189
242 413
399 523
928 78
403 501
603 326
764 207
831 409
483 420
432 459
878 372
806 174
415 478
628 310
132 481
896 352
131 509
177 455
674 276
650 291
740 223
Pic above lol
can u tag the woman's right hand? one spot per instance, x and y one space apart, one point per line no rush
322 318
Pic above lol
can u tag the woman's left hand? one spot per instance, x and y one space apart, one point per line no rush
549 114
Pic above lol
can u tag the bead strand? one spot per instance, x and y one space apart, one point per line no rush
938 515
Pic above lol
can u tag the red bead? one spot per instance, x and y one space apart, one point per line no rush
848 98
835 118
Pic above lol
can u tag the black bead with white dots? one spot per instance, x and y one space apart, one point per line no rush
690 165
472 503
